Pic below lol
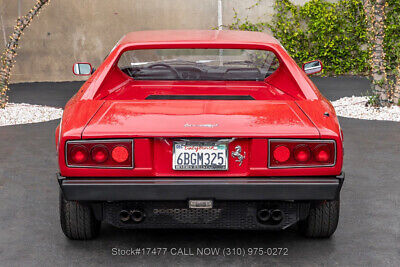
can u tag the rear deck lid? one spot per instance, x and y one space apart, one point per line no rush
200 118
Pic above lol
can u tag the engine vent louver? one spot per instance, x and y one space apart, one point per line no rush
199 97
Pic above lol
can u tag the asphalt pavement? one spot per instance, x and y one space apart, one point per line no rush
30 234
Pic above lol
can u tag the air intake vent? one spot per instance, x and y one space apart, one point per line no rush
199 97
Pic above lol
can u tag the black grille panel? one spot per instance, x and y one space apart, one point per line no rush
224 215
191 216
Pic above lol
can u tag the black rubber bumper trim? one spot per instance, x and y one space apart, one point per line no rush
150 188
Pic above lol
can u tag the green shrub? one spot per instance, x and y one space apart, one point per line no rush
392 34
335 33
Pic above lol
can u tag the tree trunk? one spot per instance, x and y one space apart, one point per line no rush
375 15
396 93
7 59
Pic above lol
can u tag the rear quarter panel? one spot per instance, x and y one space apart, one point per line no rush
323 115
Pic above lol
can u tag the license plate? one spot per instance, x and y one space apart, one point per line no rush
200 156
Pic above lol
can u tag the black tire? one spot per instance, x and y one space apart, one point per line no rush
322 220
77 220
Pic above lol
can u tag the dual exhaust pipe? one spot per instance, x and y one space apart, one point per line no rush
135 216
274 216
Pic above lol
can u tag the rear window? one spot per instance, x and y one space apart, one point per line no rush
198 64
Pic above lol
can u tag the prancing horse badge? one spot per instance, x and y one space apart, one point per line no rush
237 154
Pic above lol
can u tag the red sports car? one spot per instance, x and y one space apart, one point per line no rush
199 129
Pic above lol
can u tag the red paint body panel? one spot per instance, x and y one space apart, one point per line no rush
112 105
76 115
171 118
139 90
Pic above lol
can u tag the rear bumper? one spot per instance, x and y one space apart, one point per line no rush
150 188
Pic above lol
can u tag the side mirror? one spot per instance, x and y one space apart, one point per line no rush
312 67
82 69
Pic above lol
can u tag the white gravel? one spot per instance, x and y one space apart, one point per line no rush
25 113
354 107
351 107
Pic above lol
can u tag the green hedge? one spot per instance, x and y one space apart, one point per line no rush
392 34
333 32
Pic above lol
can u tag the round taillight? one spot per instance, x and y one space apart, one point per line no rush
79 154
120 154
322 153
302 153
281 154
99 154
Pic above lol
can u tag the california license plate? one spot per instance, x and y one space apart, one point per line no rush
200 156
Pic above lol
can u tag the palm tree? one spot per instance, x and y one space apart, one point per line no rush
7 59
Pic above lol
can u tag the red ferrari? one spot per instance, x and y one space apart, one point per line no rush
199 129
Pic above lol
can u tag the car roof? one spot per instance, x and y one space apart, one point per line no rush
197 36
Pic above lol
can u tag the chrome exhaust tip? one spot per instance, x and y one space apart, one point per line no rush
263 215
124 215
277 215
137 216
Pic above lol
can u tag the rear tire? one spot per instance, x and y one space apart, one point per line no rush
77 220
322 220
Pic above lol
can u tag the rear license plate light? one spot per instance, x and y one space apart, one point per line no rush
200 204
